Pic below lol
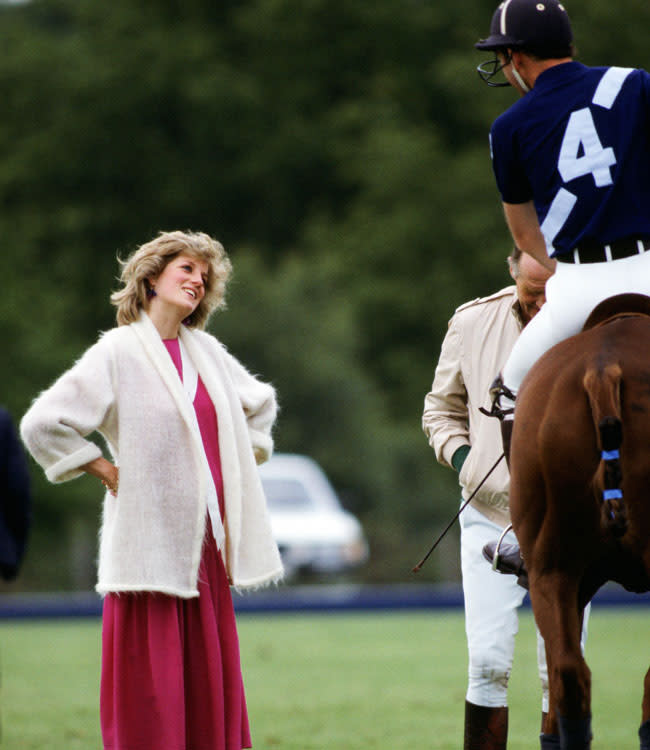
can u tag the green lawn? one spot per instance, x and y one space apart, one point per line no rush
386 681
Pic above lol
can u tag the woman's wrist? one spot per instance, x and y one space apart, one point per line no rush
105 471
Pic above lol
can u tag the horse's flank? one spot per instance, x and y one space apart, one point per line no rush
580 479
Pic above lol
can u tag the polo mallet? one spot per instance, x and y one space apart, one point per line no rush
417 568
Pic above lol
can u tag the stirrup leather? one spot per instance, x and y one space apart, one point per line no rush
498 389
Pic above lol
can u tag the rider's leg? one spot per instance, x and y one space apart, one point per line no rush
536 339
558 319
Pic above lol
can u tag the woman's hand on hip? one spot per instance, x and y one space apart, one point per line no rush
108 473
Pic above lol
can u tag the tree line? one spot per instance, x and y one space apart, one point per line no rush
338 150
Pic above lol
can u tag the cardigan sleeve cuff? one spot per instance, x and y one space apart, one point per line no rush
69 466
262 444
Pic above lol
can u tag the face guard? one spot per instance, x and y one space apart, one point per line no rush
488 69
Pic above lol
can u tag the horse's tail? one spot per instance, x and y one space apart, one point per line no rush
603 388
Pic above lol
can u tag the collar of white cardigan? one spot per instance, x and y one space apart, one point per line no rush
155 349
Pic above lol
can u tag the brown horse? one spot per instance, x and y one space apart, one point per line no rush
581 514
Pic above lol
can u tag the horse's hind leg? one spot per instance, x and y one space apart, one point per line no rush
555 604
644 731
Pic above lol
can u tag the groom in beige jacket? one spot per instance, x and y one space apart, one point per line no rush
479 339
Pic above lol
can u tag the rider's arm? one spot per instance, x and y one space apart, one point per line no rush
526 233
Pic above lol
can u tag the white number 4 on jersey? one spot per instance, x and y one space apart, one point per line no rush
582 152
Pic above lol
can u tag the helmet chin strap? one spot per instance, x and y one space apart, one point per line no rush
518 78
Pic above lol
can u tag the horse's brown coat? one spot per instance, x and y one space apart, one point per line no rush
569 547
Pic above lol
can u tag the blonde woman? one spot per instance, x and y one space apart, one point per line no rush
184 514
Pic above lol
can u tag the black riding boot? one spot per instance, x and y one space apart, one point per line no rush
509 561
485 728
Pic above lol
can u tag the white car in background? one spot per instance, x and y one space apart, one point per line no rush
313 531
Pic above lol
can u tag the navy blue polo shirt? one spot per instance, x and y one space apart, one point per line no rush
578 145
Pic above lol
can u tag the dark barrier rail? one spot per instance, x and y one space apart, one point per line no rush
320 598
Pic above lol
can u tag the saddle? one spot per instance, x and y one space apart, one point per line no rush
616 307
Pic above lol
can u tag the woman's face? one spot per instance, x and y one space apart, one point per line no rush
181 285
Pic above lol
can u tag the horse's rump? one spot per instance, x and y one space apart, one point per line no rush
580 480
587 397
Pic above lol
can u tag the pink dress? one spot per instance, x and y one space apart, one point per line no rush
171 673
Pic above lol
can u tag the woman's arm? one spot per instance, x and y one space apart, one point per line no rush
104 470
260 408
56 427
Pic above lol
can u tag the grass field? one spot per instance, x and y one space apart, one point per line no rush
322 682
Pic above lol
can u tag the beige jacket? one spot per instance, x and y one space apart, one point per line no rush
479 339
126 388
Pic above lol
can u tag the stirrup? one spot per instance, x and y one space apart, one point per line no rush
497 549
498 389
506 562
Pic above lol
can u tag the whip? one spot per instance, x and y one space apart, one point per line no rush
417 568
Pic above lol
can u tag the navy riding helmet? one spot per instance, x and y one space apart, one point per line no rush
539 27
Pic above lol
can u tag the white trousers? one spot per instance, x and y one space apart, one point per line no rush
571 294
491 618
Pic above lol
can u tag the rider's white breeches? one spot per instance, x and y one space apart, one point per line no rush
571 294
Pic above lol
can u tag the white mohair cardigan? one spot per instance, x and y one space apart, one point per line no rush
126 387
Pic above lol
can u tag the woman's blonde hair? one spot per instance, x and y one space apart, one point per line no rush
149 261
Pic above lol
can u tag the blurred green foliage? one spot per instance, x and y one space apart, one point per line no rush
339 151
